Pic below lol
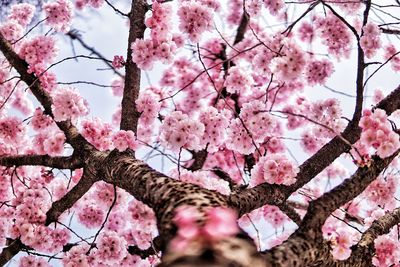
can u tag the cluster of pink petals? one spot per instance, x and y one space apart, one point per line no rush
387 251
370 40
334 34
393 55
253 127
22 13
97 133
162 44
238 80
274 169
180 131
290 65
194 19
112 248
123 140
80 4
377 133
220 223
39 50
118 62
148 105
68 104
11 130
40 121
274 6
381 192
11 30
306 32
318 71
32 261
59 14
215 124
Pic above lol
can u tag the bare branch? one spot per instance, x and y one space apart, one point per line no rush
71 162
73 34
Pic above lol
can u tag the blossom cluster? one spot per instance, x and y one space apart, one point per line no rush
290 65
195 18
162 44
274 169
318 71
68 104
149 106
22 13
180 131
219 223
378 134
334 34
59 14
251 129
215 124
39 51
370 40
238 80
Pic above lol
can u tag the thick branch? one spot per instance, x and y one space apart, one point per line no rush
263 194
320 209
129 114
70 131
308 236
10 251
70 162
153 188
70 198
199 158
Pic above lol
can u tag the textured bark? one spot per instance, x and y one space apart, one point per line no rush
10 251
71 162
129 113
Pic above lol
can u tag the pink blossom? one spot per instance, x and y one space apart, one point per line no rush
317 72
22 13
68 104
118 62
59 14
195 18
40 50
123 140
32 261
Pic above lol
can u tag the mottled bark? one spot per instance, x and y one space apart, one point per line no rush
129 113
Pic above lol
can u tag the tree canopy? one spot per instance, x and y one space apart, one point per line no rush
247 133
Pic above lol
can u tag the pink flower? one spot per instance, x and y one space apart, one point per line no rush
118 62
221 222
123 140
22 13
68 104
59 14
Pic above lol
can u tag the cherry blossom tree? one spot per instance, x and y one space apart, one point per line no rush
245 90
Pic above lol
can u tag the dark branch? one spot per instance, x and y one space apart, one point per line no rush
71 162
129 114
